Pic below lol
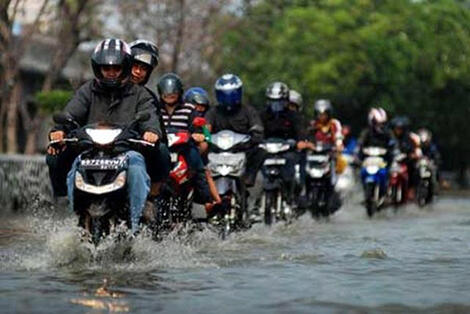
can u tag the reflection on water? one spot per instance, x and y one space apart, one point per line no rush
104 293
410 260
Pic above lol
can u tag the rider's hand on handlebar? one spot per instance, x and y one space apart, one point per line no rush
198 137
150 137
59 137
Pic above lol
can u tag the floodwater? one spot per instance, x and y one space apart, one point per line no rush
410 261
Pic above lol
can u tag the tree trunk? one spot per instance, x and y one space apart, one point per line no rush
12 119
179 38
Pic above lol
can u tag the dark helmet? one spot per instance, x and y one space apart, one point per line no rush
197 96
402 122
296 98
170 83
112 51
146 52
277 95
322 106
228 92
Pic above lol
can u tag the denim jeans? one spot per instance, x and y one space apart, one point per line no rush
138 186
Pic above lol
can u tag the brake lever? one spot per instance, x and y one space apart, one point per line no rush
142 142
65 140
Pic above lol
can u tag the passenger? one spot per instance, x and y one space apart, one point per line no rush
145 60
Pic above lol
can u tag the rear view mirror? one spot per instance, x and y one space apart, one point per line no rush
199 122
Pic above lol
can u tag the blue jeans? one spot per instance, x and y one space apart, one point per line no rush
138 186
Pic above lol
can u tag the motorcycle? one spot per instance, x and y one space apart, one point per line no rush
227 163
276 196
374 177
322 198
100 187
398 180
426 183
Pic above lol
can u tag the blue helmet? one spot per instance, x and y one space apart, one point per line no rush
197 96
228 91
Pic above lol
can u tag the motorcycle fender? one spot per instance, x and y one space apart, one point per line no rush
225 185
269 185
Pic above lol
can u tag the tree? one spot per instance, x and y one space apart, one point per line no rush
73 22
11 50
409 57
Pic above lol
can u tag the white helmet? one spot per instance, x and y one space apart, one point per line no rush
377 118
296 98
377 115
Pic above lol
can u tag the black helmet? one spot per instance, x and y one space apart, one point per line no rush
170 83
322 106
197 96
112 51
146 52
296 98
277 95
402 122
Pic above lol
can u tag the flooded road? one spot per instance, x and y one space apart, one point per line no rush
414 261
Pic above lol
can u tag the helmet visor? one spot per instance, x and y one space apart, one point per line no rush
277 105
229 98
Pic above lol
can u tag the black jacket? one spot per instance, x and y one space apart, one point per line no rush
285 125
92 103
385 140
246 121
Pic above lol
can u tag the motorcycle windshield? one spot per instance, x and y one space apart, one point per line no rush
227 139
103 136
226 159
374 151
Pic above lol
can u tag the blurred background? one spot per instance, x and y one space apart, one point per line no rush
409 56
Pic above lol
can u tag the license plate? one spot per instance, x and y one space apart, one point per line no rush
274 161
174 157
102 164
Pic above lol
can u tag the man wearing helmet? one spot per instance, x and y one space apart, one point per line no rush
296 102
232 114
431 151
179 115
409 144
324 128
281 122
377 134
198 97
145 60
110 97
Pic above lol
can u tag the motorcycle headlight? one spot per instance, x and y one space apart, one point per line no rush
226 163
372 169
118 183
224 170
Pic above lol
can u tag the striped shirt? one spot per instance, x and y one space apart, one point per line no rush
180 119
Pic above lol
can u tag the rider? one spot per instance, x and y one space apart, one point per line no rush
111 97
430 150
145 60
377 134
326 129
178 115
295 101
280 122
409 144
198 97
231 114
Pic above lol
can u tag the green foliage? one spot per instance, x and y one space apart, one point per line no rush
411 57
54 100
